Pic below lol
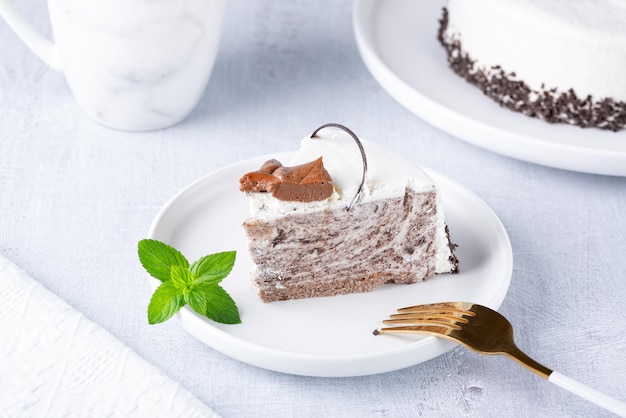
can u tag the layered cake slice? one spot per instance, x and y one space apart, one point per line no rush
343 218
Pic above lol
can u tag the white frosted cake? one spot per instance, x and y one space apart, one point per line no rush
330 244
560 61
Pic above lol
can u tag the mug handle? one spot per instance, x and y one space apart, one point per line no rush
39 44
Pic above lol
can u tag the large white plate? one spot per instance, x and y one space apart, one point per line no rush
397 40
329 336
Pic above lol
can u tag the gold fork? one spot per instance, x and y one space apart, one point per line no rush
485 331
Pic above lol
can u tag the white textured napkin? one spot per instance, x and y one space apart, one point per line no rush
54 362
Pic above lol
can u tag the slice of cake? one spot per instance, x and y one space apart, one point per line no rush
560 61
339 221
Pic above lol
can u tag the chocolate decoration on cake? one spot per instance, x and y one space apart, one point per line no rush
363 156
546 104
308 182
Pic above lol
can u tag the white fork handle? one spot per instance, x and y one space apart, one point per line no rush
592 395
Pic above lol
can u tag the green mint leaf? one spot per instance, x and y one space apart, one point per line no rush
220 306
181 277
165 302
197 301
212 268
195 285
158 258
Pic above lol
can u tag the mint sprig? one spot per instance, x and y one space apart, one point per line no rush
196 285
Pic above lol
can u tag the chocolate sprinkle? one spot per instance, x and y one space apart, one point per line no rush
546 104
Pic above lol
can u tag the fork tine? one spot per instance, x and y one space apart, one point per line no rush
438 319
409 317
450 308
423 323
447 314
428 321
449 322
430 329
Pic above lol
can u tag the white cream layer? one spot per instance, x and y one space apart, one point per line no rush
562 44
388 175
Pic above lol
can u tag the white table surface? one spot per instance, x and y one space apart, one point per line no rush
76 197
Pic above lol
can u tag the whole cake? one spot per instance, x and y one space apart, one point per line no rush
560 61
343 219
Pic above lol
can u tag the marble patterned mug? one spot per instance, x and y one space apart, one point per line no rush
130 64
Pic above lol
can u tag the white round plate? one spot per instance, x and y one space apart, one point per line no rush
397 41
330 336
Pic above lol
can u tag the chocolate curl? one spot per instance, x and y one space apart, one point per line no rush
363 157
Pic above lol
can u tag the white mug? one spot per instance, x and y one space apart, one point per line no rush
131 64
